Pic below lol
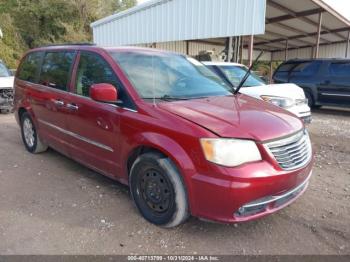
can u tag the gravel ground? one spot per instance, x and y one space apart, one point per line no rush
51 205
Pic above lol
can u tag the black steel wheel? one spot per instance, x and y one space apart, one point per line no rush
158 191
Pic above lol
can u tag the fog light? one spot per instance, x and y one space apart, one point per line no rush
241 210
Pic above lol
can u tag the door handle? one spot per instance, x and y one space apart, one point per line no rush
73 107
59 103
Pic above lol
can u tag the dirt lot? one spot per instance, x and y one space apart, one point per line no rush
52 205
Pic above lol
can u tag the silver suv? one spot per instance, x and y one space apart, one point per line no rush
6 88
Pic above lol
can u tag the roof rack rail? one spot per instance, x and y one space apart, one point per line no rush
67 44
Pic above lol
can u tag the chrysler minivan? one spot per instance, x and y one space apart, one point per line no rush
166 126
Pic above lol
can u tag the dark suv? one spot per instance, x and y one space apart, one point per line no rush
325 81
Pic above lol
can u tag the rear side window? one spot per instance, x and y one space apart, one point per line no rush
29 69
55 71
340 69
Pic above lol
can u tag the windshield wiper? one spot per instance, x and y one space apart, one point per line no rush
247 74
167 98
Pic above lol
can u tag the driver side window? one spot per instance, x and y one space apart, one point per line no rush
93 69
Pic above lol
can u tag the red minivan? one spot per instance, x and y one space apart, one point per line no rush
165 125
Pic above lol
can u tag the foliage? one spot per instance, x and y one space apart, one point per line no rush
30 23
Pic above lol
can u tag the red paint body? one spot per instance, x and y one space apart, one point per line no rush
174 128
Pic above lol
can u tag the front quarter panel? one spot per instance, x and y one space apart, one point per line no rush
176 138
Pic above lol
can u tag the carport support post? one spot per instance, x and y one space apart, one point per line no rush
230 49
347 46
241 50
271 68
318 35
250 49
286 51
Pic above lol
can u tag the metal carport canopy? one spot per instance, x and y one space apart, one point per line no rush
302 24
300 28
176 20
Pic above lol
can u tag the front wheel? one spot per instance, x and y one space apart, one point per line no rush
30 136
158 191
310 100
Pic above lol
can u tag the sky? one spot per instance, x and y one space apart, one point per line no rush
342 6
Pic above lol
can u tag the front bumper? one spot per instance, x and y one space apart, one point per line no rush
307 119
270 204
302 111
6 99
249 192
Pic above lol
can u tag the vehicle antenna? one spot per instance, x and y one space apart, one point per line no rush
247 74
153 83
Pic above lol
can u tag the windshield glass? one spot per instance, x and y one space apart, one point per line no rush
235 74
4 72
169 75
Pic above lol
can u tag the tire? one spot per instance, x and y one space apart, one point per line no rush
31 140
158 191
311 100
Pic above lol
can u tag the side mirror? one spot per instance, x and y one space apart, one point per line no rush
104 92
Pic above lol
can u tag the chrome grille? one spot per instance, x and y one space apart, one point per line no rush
292 152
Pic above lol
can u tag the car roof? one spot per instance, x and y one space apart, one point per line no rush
315 59
217 63
93 47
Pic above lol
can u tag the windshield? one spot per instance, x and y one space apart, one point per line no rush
235 74
4 72
169 75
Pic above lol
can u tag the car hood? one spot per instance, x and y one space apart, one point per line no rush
237 116
282 90
6 82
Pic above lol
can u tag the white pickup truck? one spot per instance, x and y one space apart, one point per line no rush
288 96
6 89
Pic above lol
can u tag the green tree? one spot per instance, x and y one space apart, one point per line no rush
31 23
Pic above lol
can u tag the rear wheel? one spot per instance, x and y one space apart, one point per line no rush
30 136
158 191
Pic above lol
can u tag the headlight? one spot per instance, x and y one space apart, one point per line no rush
230 152
279 101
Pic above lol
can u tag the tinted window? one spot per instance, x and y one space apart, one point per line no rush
93 69
282 72
286 67
307 68
30 66
4 72
55 70
340 69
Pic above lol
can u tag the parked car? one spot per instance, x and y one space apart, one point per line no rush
325 81
6 88
165 125
288 96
